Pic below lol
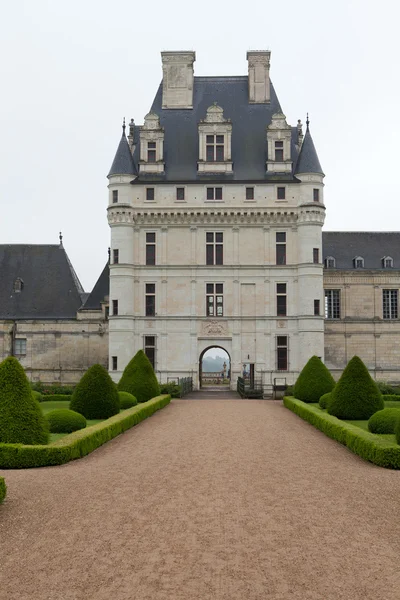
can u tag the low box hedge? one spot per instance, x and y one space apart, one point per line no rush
80 443
56 398
3 489
369 446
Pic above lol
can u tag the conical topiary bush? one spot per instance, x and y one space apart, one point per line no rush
139 378
95 396
313 382
21 418
356 395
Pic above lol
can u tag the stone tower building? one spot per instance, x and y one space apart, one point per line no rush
216 209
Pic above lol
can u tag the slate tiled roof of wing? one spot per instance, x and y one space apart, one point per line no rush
249 122
308 161
100 291
372 246
51 289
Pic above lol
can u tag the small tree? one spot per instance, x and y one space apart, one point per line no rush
139 378
356 395
95 396
313 382
21 418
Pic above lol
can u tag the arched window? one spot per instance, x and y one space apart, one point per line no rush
387 262
330 262
358 262
18 285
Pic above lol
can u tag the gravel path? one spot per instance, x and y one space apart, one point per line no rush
210 500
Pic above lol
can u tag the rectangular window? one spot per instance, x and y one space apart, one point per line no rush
115 196
390 304
281 248
20 346
316 194
281 193
115 307
215 299
114 360
214 193
180 193
150 248
214 248
249 193
281 302
282 353
149 193
316 308
332 304
115 256
316 256
150 349
150 299
215 148
151 152
279 151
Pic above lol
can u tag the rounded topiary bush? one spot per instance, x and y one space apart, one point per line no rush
139 378
95 396
384 421
21 418
356 395
37 395
313 382
63 420
126 400
325 399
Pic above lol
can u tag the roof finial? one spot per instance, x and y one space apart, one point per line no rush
61 238
123 125
109 255
308 121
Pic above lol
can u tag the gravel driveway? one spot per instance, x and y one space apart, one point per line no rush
206 500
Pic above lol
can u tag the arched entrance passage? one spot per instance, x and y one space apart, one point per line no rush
215 368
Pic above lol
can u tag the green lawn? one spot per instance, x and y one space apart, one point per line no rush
51 405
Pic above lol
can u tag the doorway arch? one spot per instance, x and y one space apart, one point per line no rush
222 377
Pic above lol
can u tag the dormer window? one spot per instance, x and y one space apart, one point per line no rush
387 262
358 262
279 136
151 145
18 285
330 262
279 151
215 133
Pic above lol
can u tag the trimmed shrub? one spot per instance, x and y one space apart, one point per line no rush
37 396
173 389
384 421
385 388
3 489
126 400
323 401
391 398
313 382
139 378
21 419
63 420
51 389
95 396
289 390
356 395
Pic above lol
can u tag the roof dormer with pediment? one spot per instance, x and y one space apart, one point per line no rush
279 136
151 145
215 142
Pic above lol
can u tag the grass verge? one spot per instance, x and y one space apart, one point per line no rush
48 406
80 443
376 449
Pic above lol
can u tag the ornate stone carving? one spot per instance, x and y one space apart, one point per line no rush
214 328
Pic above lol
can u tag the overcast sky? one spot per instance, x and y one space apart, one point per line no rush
70 71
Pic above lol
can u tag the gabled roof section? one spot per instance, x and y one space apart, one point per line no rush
343 246
51 288
249 139
123 161
100 291
308 161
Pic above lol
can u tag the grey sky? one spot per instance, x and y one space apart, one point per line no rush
71 70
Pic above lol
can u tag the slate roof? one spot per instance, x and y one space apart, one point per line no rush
372 246
51 288
123 162
100 291
249 142
308 161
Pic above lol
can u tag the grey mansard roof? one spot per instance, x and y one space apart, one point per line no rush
308 161
372 246
249 140
123 162
50 290
100 290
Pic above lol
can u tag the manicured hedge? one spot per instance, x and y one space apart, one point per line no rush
391 398
80 443
139 378
63 420
369 446
126 400
37 395
384 421
56 398
96 396
3 489
323 401
313 381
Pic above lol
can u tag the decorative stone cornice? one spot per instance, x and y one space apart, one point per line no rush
309 214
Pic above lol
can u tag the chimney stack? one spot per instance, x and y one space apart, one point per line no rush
178 78
259 84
